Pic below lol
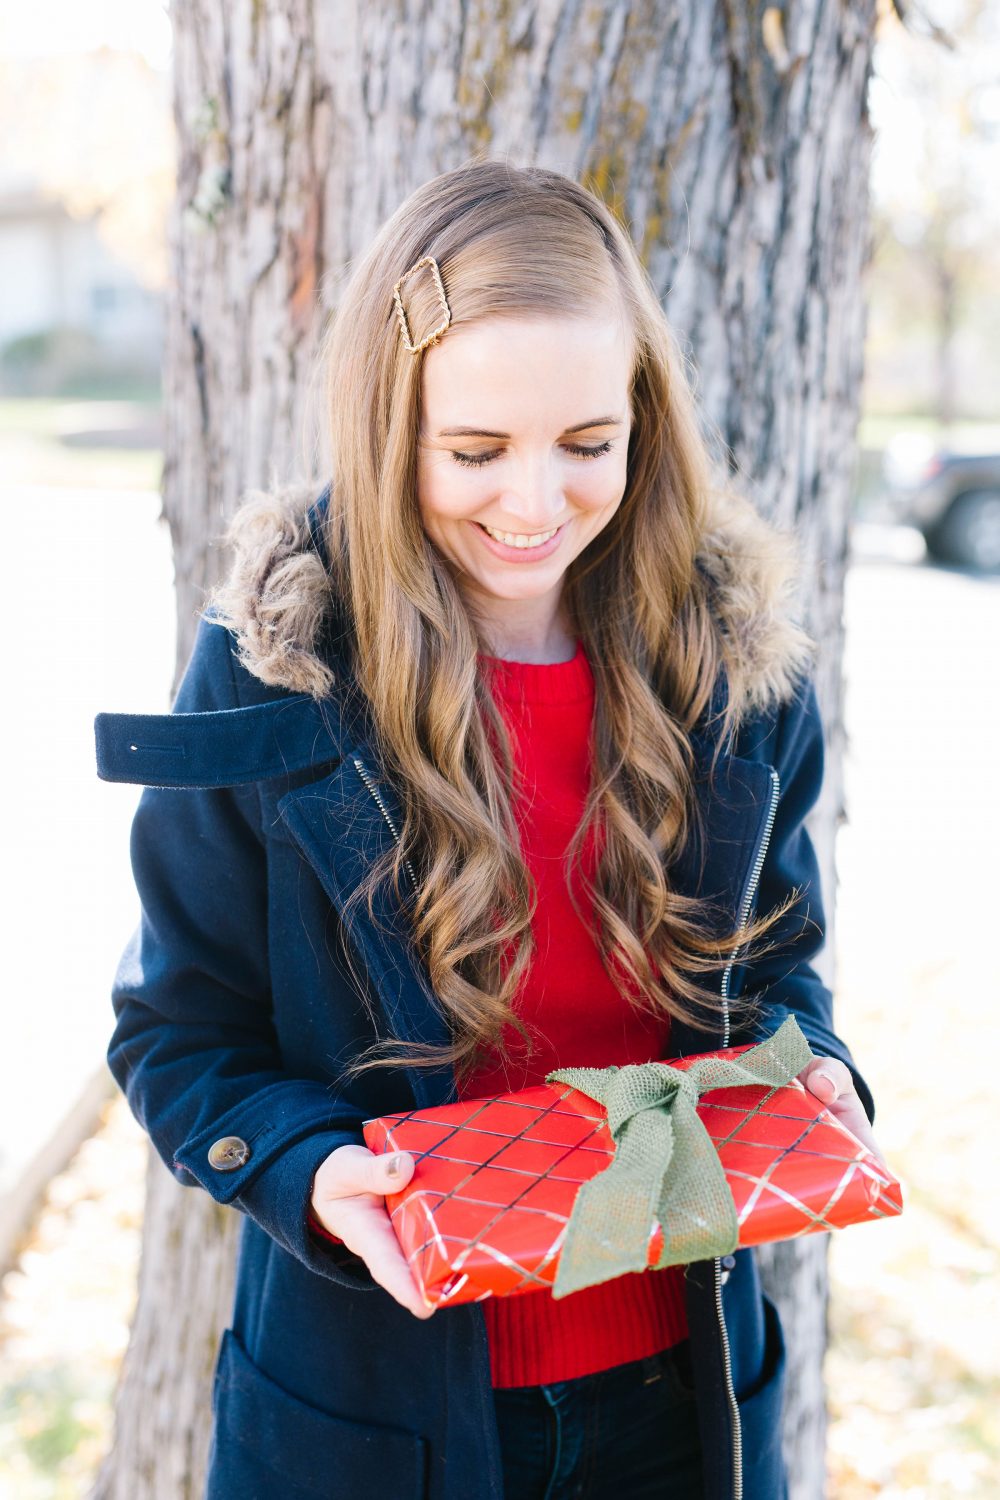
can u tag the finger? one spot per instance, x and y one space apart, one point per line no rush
868 1140
862 1131
850 1113
367 1231
832 1082
829 1079
358 1170
848 1109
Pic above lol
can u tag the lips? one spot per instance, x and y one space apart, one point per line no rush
519 554
531 539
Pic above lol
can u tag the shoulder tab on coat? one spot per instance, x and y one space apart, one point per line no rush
224 747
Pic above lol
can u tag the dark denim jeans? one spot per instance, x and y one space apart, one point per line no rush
630 1432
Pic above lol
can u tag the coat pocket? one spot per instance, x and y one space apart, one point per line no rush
764 1476
269 1444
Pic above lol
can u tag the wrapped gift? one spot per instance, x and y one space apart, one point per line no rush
602 1171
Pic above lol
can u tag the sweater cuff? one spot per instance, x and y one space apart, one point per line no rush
313 1223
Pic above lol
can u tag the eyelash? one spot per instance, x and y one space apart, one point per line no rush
476 460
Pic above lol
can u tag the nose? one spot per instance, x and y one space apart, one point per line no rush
534 498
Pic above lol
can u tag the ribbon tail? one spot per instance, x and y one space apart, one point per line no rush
696 1209
609 1229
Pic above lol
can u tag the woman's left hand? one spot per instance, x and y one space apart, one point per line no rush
831 1082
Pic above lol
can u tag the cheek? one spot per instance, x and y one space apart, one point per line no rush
430 499
446 493
598 487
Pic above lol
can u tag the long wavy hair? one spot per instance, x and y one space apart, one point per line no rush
523 241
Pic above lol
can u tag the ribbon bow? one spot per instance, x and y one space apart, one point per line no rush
666 1166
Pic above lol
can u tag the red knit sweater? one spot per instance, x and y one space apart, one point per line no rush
577 1018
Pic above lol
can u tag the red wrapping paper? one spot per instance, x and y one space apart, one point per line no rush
495 1179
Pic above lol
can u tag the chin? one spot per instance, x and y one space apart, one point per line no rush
521 586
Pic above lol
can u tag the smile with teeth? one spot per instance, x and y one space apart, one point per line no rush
519 539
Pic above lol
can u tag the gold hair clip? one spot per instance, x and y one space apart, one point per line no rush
432 338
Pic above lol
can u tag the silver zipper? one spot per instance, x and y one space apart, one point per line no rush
727 1361
751 891
366 777
734 1405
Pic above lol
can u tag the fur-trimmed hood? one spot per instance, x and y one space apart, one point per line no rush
279 602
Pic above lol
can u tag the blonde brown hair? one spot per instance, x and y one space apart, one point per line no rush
523 241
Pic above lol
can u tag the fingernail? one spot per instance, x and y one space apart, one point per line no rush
393 1165
820 1073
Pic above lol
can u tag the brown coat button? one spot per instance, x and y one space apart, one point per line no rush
228 1153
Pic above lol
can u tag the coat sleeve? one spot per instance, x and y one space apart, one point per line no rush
194 1047
784 980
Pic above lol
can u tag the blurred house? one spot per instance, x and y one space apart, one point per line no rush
72 313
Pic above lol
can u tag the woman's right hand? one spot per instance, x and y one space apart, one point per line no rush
348 1198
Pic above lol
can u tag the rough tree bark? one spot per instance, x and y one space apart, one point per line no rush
734 143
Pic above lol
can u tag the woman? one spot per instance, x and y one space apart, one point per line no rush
493 759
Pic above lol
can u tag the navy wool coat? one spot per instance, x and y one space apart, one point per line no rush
244 990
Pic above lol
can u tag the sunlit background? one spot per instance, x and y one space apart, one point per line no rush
86 176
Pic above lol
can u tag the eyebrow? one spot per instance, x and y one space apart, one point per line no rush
484 432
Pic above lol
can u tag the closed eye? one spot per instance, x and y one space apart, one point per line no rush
578 450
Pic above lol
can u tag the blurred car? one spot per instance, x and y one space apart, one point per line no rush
952 496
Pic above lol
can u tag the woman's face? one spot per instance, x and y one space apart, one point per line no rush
525 428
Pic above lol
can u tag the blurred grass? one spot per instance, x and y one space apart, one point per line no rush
94 444
64 1316
913 1363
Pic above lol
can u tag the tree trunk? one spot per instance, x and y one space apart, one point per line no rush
736 153
946 285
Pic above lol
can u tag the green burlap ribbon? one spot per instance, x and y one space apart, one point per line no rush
665 1165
